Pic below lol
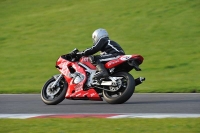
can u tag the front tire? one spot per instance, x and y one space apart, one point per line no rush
125 91
53 96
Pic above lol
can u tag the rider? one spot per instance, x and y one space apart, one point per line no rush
109 51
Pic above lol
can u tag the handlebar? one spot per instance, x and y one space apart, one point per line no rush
72 55
74 51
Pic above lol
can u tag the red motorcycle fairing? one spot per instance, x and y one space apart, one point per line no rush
75 90
122 59
86 61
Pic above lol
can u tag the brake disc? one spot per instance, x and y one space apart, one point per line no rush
116 86
52 91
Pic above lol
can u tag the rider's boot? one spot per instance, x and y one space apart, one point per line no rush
102 71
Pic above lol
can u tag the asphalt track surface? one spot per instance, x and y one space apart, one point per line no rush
138 103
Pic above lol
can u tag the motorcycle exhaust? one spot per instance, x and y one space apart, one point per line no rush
139 80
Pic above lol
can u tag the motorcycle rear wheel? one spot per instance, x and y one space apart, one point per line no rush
125 91
53 96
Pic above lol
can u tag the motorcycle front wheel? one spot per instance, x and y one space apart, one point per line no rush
126 88
53 96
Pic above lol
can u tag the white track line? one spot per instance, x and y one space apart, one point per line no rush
20 116
126 115
156 116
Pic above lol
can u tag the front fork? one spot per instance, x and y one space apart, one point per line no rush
57 78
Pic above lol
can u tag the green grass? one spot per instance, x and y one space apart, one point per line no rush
33 34
93 125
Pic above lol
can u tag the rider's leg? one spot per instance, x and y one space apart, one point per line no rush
100 60
102 70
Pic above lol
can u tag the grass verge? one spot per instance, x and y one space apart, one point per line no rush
95 125
35 33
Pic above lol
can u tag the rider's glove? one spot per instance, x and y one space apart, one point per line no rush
79 54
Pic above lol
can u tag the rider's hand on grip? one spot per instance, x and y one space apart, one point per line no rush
73 52
79 54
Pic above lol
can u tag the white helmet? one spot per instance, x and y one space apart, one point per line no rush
98 34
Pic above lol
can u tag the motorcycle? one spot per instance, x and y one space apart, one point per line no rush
76 82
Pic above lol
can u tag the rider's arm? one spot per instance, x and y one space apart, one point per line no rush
95 48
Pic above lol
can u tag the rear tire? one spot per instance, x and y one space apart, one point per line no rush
53 96
125 91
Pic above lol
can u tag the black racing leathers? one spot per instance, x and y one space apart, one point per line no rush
106 46
110 49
